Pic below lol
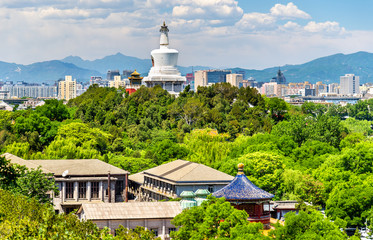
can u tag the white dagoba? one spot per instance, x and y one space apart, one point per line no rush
164 71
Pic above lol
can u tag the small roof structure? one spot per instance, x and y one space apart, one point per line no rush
182 172
286 205
75 167
241 188
130 210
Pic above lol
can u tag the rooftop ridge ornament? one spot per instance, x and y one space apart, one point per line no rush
164 28
240 169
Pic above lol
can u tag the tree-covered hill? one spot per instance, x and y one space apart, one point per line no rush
314 153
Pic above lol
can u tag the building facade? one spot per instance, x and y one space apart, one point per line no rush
205 78
171 179
154 216
21 90
67 88
349 84
117 82
234 79
80 181
111 74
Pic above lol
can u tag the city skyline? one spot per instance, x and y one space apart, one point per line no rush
221 33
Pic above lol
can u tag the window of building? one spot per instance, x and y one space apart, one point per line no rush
210 188
69 190
155 231
118 187
95 189
171 230
82 190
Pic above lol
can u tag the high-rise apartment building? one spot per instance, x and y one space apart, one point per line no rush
23 89
118 82
67 88
349 84
207 77
320 88
234 79
111 73
333 88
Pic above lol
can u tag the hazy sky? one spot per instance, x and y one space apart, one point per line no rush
252 34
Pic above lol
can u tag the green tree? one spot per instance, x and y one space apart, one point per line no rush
309 224
32 183
24 218
215 219
351 201
54 109
278 108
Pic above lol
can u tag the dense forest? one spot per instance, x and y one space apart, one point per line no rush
322 154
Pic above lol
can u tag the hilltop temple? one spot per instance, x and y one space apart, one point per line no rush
244 195
164 71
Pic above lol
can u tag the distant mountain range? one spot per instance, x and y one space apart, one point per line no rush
326 69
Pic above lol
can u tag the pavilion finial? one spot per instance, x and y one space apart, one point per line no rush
240 169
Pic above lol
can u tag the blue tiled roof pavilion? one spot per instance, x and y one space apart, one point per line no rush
241 188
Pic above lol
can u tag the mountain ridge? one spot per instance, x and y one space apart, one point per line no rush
327 69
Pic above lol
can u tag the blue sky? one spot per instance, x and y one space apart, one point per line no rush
219 33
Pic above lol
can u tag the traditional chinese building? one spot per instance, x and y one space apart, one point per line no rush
135 82
244 195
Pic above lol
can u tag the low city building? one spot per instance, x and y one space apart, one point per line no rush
280 208
5 106
31 103
154 216
80 181
171 179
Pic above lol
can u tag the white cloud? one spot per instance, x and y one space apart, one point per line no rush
289 11
324 27
291 26
187 11
257 21
223 11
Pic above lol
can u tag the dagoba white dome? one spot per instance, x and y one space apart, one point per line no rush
164 71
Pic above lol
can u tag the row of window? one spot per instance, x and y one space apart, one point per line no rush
95 188
160 184
82 189
155 230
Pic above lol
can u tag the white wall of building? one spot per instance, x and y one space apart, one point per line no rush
349 84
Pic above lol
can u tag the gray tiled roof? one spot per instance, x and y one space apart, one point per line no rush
183 171
17 160
79 167
130 210
75 167
289 204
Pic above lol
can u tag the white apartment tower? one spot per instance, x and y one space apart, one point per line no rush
118 82
67 88
349 84
234 79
